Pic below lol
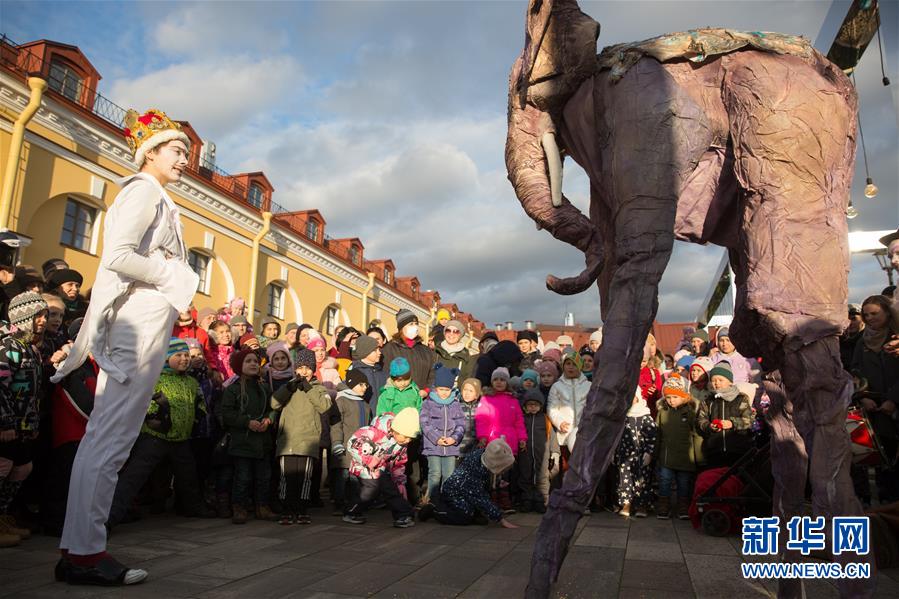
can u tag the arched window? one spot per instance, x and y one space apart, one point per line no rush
200 265
312 229
78 225
65 80
256 195
275 300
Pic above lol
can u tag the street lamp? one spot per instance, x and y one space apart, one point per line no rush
883 259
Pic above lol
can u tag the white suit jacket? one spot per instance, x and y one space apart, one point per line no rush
142 245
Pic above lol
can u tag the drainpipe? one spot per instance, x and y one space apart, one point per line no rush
368 288
37 86
254 263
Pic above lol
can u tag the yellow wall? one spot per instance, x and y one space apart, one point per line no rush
49 175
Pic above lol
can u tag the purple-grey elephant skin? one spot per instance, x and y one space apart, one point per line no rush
746 141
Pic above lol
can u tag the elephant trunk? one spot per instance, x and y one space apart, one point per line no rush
534 166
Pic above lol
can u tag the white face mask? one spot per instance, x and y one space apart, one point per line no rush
411 331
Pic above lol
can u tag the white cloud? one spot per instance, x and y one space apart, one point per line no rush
217 96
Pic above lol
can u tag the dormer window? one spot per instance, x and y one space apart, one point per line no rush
65 80
354 254
388 276
312 229
414 289
256 195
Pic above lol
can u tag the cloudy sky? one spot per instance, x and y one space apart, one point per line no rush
389 117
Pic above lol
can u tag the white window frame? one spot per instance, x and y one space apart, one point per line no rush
312 227
275 301
254 194
355 254
388 274
203 272
62 74
331 319
90 237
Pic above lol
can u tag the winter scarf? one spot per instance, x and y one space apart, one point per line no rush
452 348
729 394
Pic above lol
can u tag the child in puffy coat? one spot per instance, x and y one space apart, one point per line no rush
471 398
349 413
567 400
378 463
499 417
679 446
533 462
301 402
400 391
724 419
442 428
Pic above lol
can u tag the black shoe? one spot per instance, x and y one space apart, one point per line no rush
61 571
404 522
425 513
107 572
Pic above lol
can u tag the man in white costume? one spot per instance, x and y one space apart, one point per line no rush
142 283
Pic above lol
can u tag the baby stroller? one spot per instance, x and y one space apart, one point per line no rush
723 496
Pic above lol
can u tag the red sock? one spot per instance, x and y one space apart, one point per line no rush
87 560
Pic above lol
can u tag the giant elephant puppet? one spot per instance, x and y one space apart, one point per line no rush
742 140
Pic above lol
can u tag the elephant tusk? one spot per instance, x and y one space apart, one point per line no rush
554 164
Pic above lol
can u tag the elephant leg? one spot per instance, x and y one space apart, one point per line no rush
644 239
793 159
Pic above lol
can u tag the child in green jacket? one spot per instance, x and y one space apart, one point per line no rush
301 402
247 417
679 446
400 391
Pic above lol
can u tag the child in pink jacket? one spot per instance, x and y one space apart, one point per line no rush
499 416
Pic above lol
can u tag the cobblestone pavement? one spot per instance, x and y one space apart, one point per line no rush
611 557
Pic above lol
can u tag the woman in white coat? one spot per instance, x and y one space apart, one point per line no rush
567 399
142 283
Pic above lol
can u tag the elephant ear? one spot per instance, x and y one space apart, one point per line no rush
559 53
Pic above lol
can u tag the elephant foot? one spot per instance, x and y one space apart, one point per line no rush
582 281
553 539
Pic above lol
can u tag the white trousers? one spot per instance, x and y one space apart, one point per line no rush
138 337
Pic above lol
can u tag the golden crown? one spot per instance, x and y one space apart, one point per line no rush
153 124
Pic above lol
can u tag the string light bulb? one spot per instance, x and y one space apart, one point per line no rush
851 211
870 189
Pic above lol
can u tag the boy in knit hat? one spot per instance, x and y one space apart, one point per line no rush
301 403
21 375
367 361
442 427
349 413
678 446
400 391
378 462
724 419
176 407
465 493
533 462
527 343
699 343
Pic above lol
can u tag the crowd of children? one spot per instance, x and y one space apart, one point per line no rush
245 422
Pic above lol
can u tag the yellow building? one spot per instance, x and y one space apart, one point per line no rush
73 151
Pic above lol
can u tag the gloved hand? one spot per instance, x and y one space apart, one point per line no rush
304 385
647 459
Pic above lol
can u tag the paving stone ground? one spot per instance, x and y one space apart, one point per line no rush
214 559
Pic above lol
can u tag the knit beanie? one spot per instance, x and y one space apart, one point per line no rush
364 346
685 362
554 354
192 343
722 369
65 275
455 324
239 320
530 375
497 456
205 313
236 360
546 367
355 377
596 336
475 383
444 376
443 314
399 367
291 327
700 334
500 373
675 385
53 264
316 343
278 346
176 346
406 422
572 356
246 338
23 308
703 362
533 395
722 332
306 357
404 317
527 334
